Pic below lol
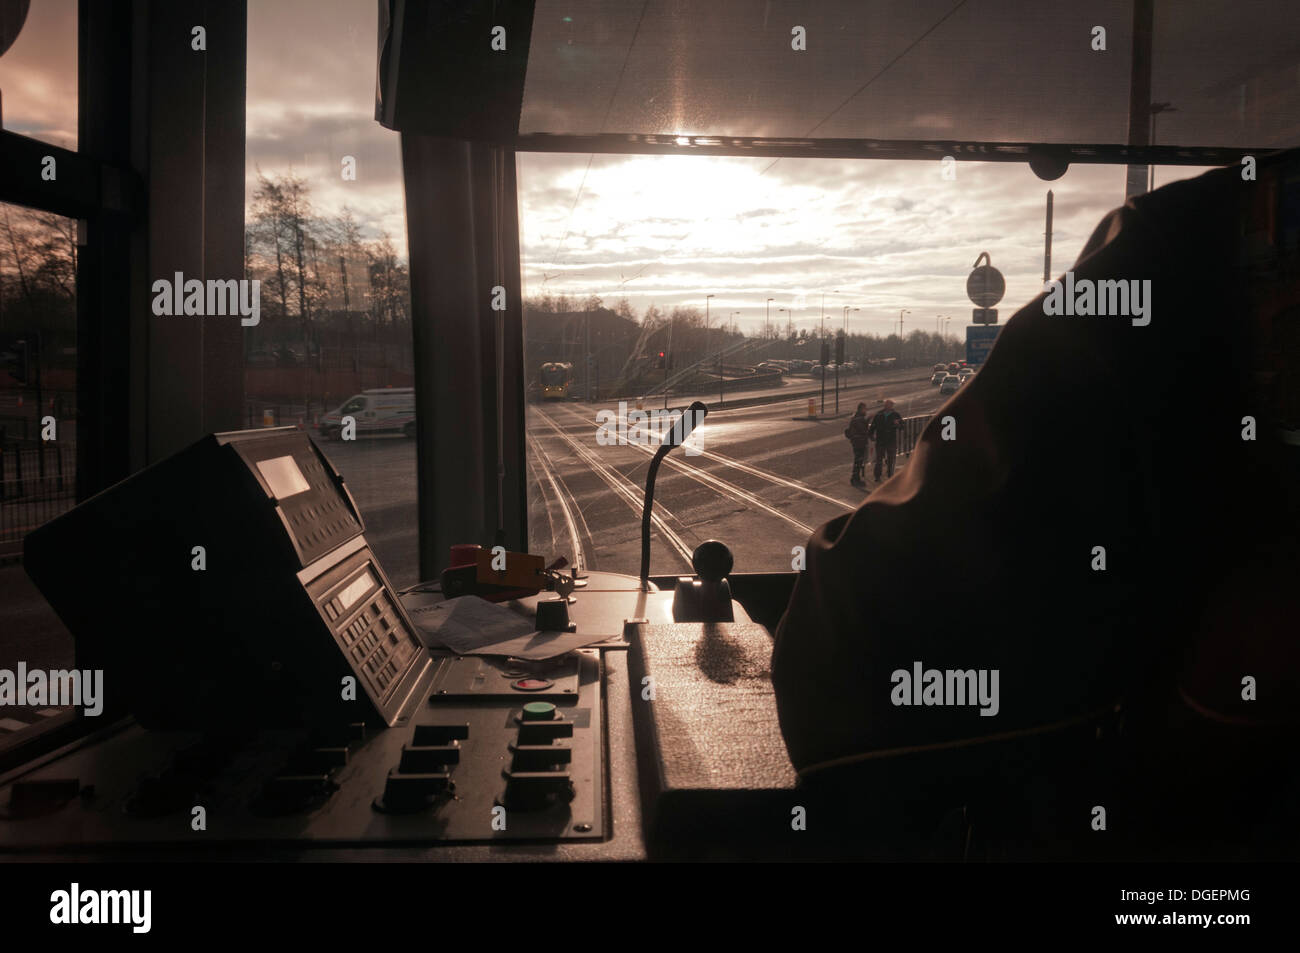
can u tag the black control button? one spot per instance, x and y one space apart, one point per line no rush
536 790
426 735
407 793
33 798
540 757
544 732
418 759
320 760
293 787
292 793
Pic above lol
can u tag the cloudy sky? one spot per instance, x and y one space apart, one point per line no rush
883 236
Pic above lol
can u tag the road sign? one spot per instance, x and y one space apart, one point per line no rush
985 286
979 341
984 315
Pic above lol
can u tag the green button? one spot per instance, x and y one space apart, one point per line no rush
538 711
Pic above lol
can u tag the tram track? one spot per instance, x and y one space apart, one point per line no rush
625 489
733 491
575 522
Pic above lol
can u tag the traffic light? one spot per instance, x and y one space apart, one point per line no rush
659 361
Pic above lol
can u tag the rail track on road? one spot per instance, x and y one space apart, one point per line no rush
728 489
545 474
575 431
625 489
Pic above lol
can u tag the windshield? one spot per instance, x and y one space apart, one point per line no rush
725 266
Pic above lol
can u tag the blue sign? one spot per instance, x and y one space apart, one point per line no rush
979 341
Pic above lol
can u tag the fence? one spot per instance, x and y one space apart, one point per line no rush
36 484
913 427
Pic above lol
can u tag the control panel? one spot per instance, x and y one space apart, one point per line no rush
607 751
486 750
367 623
489 750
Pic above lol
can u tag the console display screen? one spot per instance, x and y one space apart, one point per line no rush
282 476
356 589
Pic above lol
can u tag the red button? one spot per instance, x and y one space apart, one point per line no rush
532 684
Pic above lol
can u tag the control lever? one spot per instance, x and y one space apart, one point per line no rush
708 598
553 614
692 417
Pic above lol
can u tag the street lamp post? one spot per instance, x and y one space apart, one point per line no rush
706 324
822 343
767 321
901 312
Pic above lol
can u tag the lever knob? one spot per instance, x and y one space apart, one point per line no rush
712 560
553 615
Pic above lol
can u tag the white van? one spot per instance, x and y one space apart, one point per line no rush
383 410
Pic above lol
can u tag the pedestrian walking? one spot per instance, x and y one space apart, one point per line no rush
859 438
884 428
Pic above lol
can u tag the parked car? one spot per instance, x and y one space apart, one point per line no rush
950 384
382 410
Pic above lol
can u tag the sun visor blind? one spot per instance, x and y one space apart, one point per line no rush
986 71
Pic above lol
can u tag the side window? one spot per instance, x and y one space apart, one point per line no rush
38 433
326 235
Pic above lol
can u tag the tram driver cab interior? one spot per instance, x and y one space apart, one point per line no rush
509 702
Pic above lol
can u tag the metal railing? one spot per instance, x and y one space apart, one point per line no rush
37 483
913 427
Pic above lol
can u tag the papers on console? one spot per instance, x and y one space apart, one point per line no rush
469 625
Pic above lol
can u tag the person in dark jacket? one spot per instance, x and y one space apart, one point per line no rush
859 436
1163 578
884 428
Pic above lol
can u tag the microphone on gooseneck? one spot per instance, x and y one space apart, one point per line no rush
690 419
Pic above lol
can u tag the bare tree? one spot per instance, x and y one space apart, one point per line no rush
687 317
624 310
39 262
268 238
